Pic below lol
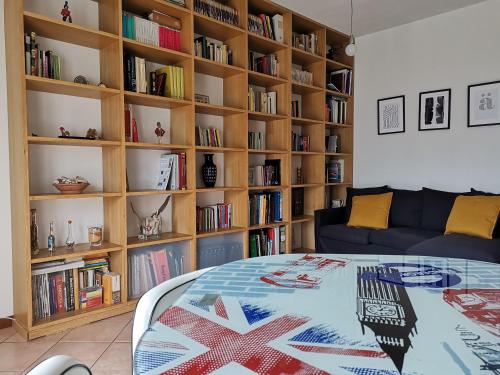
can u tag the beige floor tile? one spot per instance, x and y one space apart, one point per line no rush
102 331
117 359
10 372
16 337
5 333
126 334
18 356
85 352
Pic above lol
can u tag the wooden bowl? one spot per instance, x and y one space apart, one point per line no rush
71 188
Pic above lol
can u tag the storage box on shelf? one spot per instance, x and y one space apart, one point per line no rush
122 158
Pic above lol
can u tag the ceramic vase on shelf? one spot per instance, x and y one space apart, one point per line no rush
209 171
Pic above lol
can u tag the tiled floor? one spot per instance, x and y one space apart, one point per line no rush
105 346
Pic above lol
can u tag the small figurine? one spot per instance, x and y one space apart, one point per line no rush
81 79
300 180
66 13
64 132
102 84
160 132
135 131
51 241
92 134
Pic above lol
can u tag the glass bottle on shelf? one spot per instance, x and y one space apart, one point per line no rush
70 242
51 242
35 250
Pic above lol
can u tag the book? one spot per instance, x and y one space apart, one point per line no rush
265 207
260 101
302 76
306 42
268 241
278 28
213 50
111 288
300 142
218 216
38 62
216 10
266 64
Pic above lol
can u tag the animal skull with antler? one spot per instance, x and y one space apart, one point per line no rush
150 226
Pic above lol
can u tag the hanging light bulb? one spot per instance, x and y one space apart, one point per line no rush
350 50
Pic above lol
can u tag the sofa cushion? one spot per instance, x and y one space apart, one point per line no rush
351 192
342 232
370 211
437 206
406 208
459 246
496 232
400 238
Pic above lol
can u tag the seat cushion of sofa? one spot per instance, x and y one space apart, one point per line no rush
400 238
342 232
459 246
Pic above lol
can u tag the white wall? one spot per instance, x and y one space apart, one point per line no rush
452 50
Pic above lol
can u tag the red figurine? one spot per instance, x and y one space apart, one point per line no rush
135 132
66 13
159 132
64 132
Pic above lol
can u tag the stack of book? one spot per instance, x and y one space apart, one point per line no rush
91 280
302 76
53 287
40 63
167 81
255 141
151 266
259 101
341 81
208 137
336 110
300 142
268 27
335 171
159 29
213 50
267 64
269 241
332 143
306 42
266 207
216 10
218 216
173 172
265 175
296 108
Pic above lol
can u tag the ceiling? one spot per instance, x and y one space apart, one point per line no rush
372 15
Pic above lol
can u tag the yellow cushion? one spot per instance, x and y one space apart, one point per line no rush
474 216
370 211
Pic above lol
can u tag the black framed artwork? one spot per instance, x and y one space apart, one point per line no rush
391 115
483 104
434 110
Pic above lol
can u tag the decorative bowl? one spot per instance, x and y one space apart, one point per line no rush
71 188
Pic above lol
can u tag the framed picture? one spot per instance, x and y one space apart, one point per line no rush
434 110
484 104
391 115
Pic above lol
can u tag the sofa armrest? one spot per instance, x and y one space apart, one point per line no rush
329 216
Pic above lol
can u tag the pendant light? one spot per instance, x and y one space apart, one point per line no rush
350 50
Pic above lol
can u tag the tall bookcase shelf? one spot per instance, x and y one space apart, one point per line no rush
120 185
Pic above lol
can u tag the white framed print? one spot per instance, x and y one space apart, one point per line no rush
391 115
484 104
434 110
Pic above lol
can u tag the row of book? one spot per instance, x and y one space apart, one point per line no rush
173 172
208 137
335 171
266 26
306 42
67 285
151 266
266 64
213 50
268 174
336 110
341 81
332 143
296 108
160 30
269 241
300 142
260 101
218 216
265 207
38 62
216 10
255 141
302 76
167 81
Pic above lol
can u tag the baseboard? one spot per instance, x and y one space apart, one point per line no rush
5 323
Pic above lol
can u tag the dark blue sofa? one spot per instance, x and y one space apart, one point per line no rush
417 224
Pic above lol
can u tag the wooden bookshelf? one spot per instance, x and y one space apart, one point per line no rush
237 120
